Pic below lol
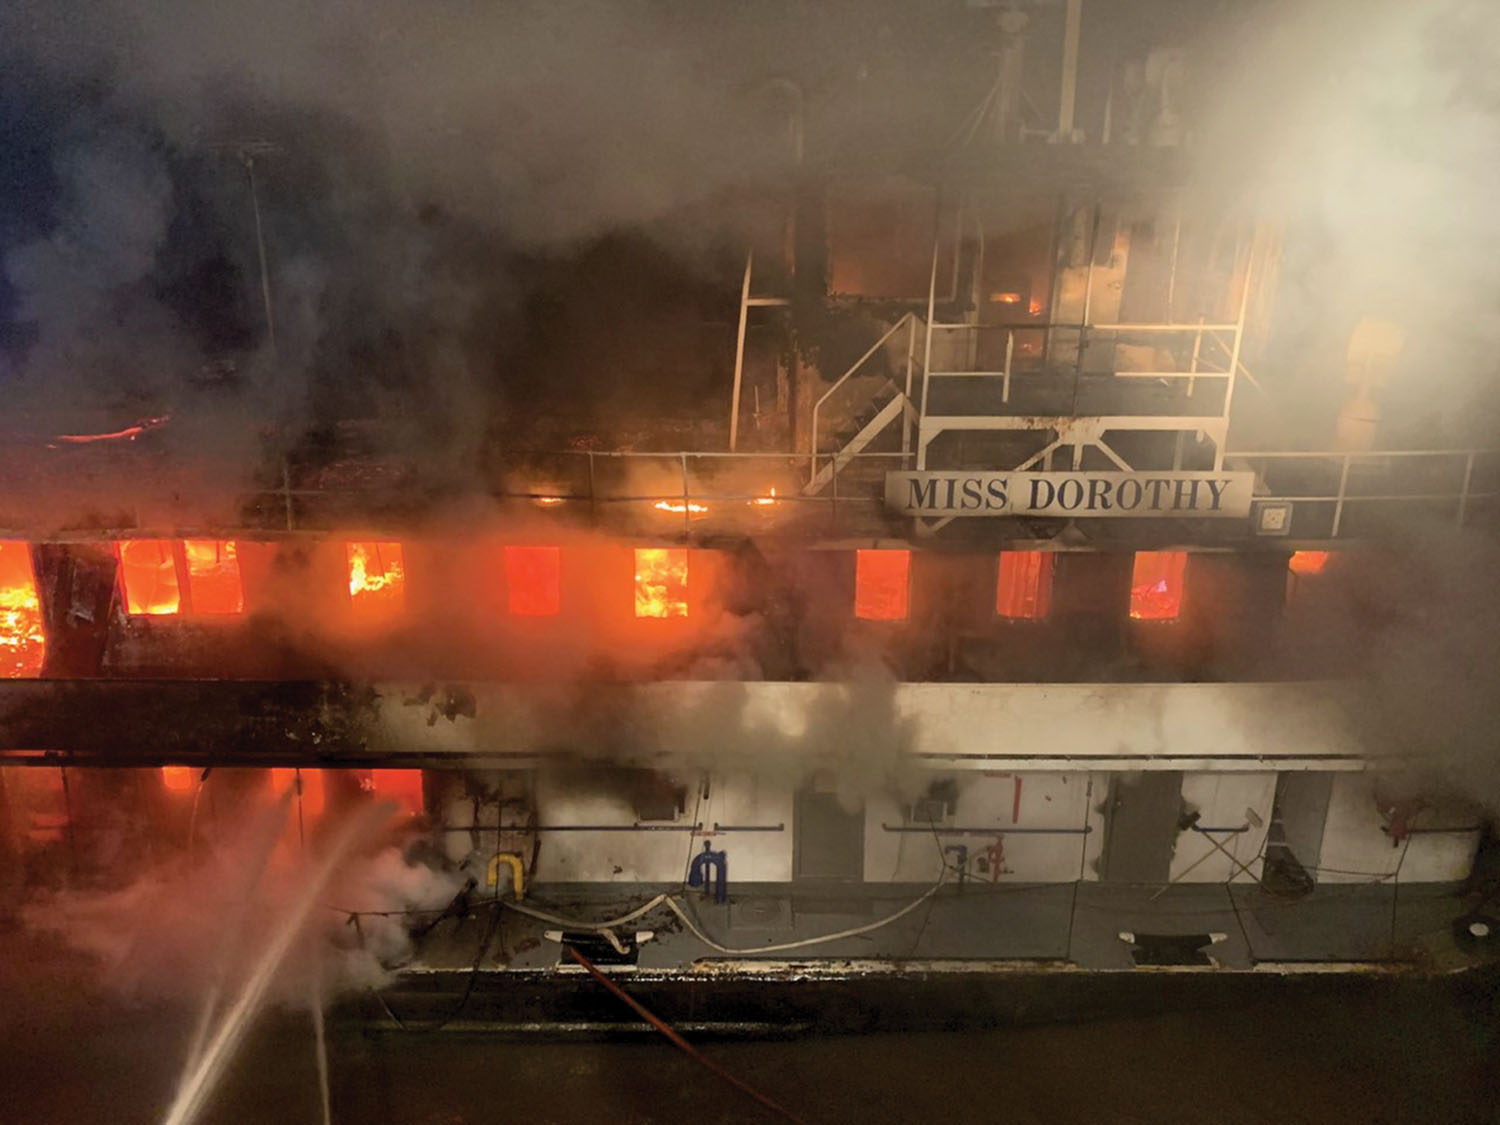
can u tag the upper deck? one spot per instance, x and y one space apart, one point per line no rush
1301 497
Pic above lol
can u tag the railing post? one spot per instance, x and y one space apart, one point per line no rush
593 494
739 356
1010 347
1338 504
834 509
1234 356
1088 288
1088 307
911 360
1463 495
812 445
687 503
927 357
1197 350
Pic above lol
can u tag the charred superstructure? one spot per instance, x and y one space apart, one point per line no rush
998 567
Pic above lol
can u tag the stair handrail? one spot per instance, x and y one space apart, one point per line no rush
812 450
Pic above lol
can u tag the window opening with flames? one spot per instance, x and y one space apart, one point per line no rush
1304 564
402 787
1024 589
23 641
533 581
661 577
163 578
882 585
148 575
213 576
377 575
179 779
1156 585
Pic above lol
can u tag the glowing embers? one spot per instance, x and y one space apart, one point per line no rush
23 643
377 576
1306 563
148 574
178 779
661 576
213 573
1024 589
1156 585
882 585
533 581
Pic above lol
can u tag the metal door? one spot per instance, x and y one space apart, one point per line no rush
1299 814
1141 827
829 842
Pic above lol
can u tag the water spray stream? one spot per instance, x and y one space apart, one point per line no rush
320 1039
260 858
199 1080
320 1042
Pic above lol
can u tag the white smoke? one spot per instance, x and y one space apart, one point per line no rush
193 924
1366 130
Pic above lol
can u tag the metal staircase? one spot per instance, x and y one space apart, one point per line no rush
886 404
870 425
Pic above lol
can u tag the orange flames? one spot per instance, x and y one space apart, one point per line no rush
1024 589
377 575
157 582
661 582
1308 562
882 585
533 582
148 573
178 779
213 570
681 507
764 501
1156 585
23 643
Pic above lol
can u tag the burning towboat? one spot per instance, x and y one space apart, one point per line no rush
984 638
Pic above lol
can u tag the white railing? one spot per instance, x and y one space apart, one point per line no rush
1196 369
1351 480
752 492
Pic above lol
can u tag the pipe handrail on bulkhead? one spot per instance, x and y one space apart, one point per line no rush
517 873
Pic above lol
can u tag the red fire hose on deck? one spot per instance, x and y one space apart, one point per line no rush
678 1041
